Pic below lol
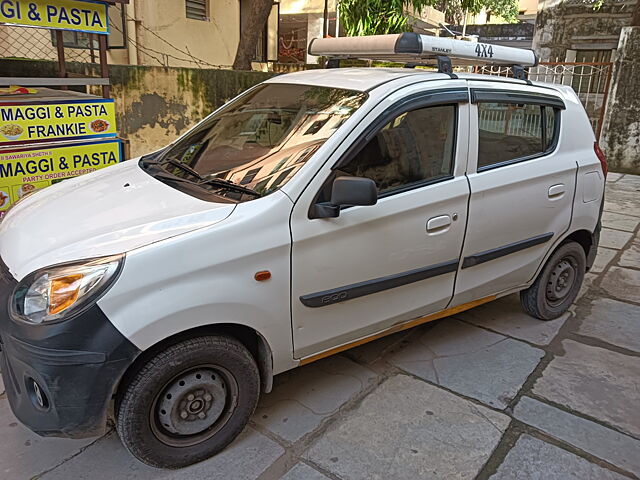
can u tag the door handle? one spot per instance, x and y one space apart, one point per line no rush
438 223
556 190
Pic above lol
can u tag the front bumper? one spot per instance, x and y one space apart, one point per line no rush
76 365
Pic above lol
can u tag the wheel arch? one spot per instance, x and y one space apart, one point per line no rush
583 237
586 239
249 337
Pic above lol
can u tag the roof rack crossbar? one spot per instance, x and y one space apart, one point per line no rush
416 48
444 65
519 73
333 63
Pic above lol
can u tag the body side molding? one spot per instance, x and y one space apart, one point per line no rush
488 255
356 290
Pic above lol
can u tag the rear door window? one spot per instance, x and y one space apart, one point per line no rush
514 131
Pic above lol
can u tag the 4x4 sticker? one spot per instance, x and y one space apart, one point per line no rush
484 51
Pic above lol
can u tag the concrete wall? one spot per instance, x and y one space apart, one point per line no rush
163 35
214 41
621 140
154 104
574 25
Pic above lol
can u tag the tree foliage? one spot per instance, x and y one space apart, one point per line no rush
454 11
376 17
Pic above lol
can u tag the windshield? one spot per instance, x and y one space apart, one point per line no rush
254 145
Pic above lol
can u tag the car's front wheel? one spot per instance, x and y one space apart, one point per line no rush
558 284
188 402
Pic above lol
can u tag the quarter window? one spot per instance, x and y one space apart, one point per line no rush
509 131
414 147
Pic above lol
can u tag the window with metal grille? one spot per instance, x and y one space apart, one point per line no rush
197 9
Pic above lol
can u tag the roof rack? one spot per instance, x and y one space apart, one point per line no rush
416 49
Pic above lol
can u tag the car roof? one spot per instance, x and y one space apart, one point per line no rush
361 79
364 79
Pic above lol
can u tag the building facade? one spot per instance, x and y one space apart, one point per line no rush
197 33
578 31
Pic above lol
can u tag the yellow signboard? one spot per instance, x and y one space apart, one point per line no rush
23 170
76 15
24 123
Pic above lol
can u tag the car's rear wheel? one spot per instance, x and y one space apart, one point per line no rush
188 402
558 284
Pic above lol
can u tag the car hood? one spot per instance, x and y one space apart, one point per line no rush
108 212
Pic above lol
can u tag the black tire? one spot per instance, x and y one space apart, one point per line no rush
155 414
549 296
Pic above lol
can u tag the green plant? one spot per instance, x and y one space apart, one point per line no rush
377 17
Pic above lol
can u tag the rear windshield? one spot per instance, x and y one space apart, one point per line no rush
258 141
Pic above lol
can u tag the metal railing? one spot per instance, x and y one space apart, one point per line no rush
590 80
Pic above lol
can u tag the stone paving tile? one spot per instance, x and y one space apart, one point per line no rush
631 256
470 361
620 221
506 316
596 382
614 322
612 177
245 459
613 447
408 429
629 183
302 471
372 351
587 283
533 459
621 201
614 238
303 397
622 283
23 454
603 259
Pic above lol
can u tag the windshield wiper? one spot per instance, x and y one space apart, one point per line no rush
217 182
182 166
228 184
173 178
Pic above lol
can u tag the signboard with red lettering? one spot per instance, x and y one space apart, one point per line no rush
46 121
25 169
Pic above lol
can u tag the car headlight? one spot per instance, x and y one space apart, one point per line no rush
57 292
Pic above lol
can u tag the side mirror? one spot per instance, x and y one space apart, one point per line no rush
347 192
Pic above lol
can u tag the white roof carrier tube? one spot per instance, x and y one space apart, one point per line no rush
417 48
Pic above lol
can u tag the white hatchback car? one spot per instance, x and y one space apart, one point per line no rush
314 212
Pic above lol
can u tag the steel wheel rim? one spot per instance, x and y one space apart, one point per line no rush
561 280
188 392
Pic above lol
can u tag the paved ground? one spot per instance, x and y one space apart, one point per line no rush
490 393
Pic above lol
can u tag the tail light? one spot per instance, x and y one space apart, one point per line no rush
602 158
